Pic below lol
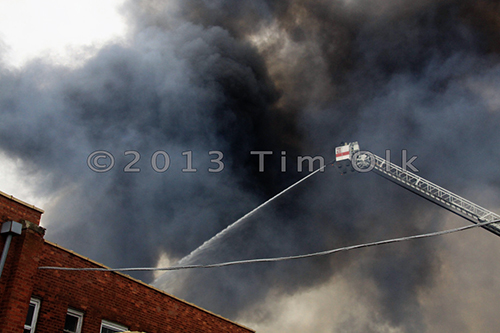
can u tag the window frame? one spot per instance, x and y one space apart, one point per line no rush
37 302
75 313
113 326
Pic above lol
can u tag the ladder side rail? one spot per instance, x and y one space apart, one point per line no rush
428 190
431 189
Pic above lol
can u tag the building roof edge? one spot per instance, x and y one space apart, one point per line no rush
24 203
146 285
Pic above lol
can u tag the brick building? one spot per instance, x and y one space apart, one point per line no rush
48 301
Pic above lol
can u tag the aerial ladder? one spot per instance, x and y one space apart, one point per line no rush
348 156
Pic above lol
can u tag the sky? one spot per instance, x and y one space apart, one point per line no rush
59 30
180 93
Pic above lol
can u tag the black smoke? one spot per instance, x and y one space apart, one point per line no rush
236 77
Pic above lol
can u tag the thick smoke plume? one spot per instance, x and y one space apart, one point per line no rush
282 76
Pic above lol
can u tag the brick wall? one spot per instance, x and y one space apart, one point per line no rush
18 276
100 295
16 282
115 297
12 209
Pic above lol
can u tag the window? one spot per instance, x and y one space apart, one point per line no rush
109 327
29 325
73 323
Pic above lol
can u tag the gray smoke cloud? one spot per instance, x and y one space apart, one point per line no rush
294 76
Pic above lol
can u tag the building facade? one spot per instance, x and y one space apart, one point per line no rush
48 301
